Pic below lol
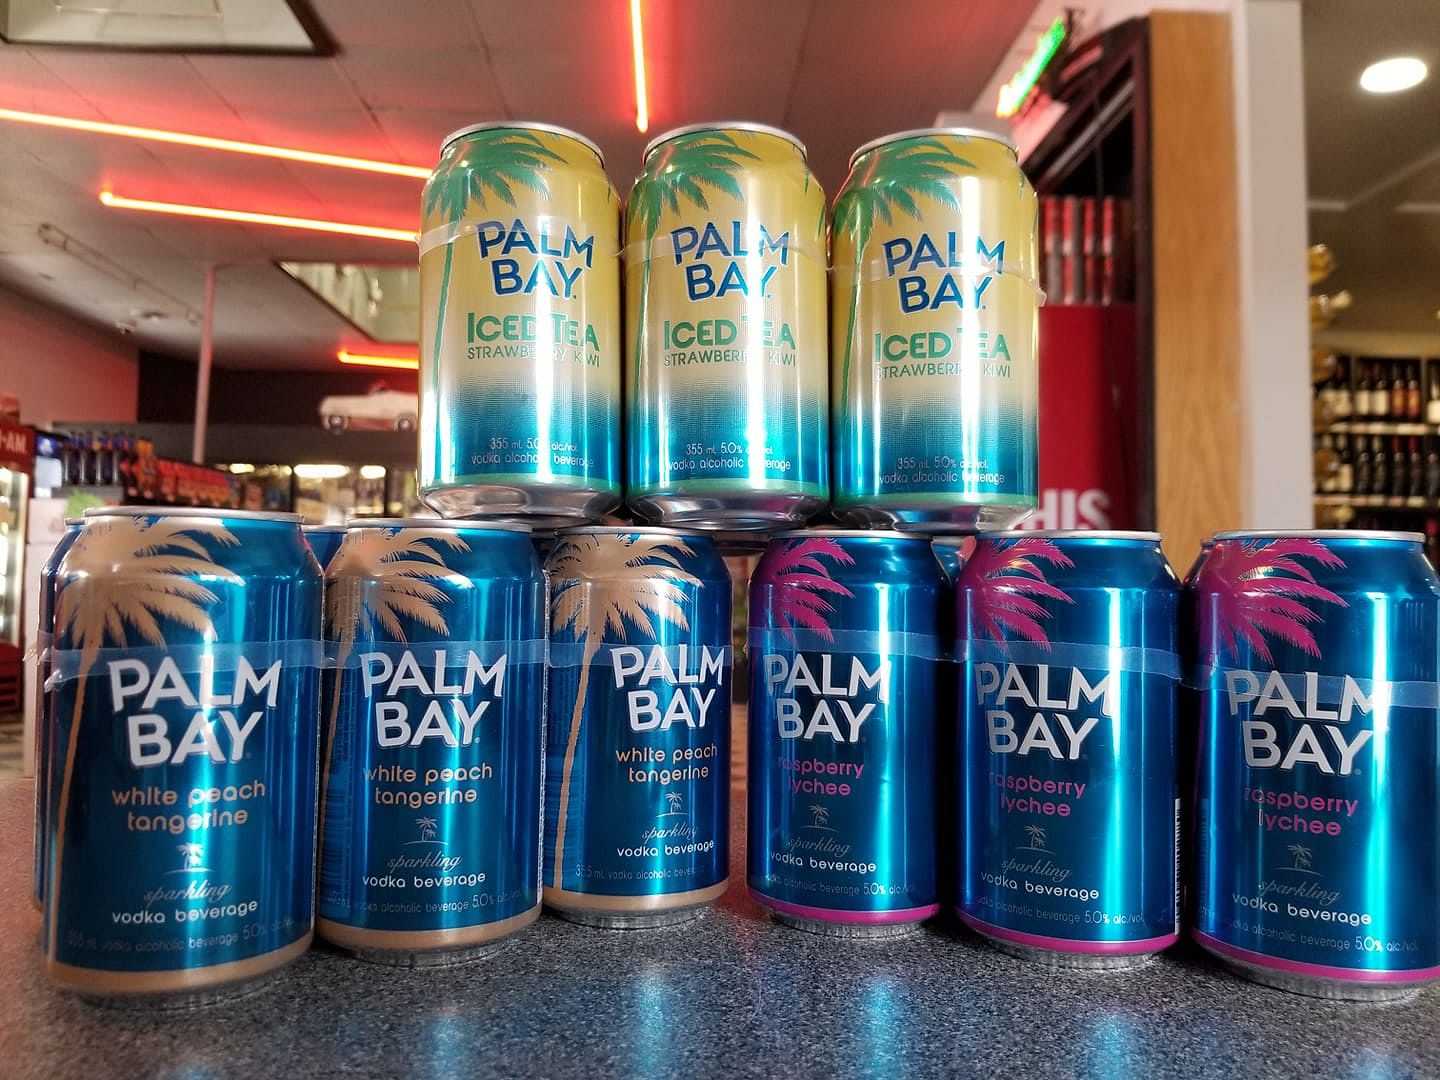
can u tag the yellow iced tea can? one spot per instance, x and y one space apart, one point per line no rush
725 332
520 327
933 309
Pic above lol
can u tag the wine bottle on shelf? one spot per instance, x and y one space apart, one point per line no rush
1362 390
1364 468
1432 406
1432 541
1344 399
1399 468
1345 474
1380 392
1324 465
1417 470
1325 398
1413 404
1398 395
1432 471
1379 467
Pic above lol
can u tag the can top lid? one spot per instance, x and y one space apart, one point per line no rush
190 511
323 528
524 125
1076 534
863 534
438 523
918 133
1322 534
723 125
74 522
620 530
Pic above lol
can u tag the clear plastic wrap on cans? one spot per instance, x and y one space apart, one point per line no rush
1317 813
182 781
520 327
434 740
638 760
934 375
324 541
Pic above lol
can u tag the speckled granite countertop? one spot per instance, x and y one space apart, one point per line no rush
732 995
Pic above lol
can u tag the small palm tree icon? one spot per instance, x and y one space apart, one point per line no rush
1300 854
427 827
819 815
673 802
194 855
1037 837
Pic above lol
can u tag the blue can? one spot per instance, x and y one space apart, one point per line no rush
45 623
637 808
1068 746
845 653
182 849
1319 760
324 541
430 803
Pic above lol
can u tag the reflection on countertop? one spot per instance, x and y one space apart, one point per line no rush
731 995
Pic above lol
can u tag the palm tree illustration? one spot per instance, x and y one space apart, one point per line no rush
799 580
1257 589
819 815
378 577
127 573
607 579
1300 856
673 801
489 161
1036 835
891 179
1003 579
427 827
683 168
194 855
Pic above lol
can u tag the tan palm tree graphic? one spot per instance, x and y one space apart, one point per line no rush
673 802
377 577
131 572
607 578
427 827
194 855
1037 837
819 815
1300 855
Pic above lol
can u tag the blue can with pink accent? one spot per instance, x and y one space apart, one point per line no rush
1317 816
845 654
1067 746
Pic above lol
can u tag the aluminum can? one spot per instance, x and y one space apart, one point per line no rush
932 333
727 400
845 653
186 665
1071 810
520 327
434 742
1317 813
44 699
324 541
637 803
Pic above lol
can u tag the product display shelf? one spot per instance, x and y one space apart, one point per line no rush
732 994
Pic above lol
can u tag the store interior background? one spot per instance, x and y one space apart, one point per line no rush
1255 142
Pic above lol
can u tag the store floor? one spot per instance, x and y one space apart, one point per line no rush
12 757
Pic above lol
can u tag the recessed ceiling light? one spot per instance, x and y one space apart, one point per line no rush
1393 75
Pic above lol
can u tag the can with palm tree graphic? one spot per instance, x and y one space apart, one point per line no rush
432 740
1318 825
934 376
637 807
1070 806
726 390
845 653
181 815
520 327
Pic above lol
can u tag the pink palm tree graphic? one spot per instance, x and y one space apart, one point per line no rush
800 581
1251 590
1002 580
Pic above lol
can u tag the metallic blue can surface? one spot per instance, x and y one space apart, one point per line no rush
845 656
324 541
637 808
1318 821
182 856
1068 746
44 699
430 806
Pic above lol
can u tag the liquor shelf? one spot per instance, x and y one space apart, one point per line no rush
732 994
1380 502
1380 427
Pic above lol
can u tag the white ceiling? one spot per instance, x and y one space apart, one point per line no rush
836 72
1374 161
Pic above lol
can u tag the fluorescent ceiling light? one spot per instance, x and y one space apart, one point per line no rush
372 472
206 142
1393 75
637 47
280 221
345 356
322 472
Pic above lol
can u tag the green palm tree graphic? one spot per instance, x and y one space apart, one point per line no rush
684 167
490 161
891 178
